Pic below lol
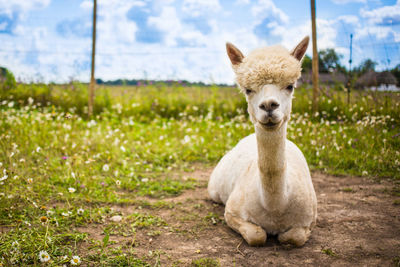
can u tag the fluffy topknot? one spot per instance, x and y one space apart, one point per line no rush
268 65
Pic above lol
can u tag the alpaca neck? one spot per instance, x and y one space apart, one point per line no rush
272 165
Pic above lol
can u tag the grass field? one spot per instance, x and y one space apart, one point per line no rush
61 170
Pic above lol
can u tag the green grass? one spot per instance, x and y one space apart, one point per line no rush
328 252
145 103
205 262
60 170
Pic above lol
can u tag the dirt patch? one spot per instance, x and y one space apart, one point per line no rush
358 225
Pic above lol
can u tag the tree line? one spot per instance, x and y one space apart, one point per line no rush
329 61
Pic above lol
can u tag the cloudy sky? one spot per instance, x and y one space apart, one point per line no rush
50 40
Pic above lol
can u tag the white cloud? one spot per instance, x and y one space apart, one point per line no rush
349 19
379 23
119 55
384 15
200 7
342 2
169 23
167 61
327 33
242 2
270 23
3 26
10 6
378 32
396 36
87 5
114 27
293 35
265 8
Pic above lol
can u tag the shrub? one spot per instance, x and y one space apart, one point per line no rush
7 80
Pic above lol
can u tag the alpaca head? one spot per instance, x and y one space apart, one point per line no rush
267 77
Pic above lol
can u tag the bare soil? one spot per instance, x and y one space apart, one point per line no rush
358 225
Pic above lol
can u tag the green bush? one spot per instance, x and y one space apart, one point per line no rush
7 79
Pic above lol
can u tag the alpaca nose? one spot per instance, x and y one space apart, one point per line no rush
269 105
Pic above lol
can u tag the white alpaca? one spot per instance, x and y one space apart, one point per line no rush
264 181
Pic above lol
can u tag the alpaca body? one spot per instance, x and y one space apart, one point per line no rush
236 182
264 181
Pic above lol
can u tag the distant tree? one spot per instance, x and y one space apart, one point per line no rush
396 72
365 66
7 79
307 64
329 61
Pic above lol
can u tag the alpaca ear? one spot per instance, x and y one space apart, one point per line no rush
299 51
234 54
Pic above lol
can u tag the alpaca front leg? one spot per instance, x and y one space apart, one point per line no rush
295 236
253 234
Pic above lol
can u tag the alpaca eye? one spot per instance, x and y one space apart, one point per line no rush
248 91
290 87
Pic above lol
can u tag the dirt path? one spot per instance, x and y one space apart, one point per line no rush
358 225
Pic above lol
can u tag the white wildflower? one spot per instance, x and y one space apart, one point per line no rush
49 212
91 123
71 189
106 168
44 256
116 218
80 211
15 245
5 176
186 139
75 260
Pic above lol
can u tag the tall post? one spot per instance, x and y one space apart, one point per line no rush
314 59
92 80
350 61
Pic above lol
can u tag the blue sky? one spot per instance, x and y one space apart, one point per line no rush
50 40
